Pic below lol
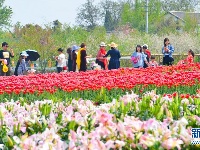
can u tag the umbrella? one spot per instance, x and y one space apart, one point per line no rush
33 55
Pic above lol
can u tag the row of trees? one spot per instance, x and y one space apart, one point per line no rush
112 14
115 13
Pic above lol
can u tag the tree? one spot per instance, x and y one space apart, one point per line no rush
111 13
180 5
108 24
191 23
89 15
35 37
127 14
57 25
5 13
156 15
134 14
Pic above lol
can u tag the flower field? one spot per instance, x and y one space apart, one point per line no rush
153 122
153 108
102 85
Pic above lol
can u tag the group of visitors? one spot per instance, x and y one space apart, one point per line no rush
76 61
5 62
142 58
114 62
168 50
77 58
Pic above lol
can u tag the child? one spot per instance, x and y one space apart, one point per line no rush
95 66
189 59
153 63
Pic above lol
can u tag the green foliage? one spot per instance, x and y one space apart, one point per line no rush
155 15
88 16
98 96
125 20
57 25
180 5
147 108
111 14
191 23
36 127
108 24
47 40
45 109
127 14
5 13
64 132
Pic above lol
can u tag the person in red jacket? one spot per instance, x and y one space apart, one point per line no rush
146 52
189 59
100 60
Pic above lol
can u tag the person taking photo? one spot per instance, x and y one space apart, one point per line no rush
5 56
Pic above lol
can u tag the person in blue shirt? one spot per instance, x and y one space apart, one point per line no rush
167 51
21 67
138 58
114 62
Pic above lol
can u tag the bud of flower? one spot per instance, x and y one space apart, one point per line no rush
10 142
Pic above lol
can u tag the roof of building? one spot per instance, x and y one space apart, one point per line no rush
181 15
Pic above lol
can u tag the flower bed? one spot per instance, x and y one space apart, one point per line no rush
109 120
91 84
132 122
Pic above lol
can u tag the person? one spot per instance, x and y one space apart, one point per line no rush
100 60
95 66
138 57
81 58
74 57
5 56
17 66
69 64
167 51
153 62
147 53
189 59
21 68
114 62
61 61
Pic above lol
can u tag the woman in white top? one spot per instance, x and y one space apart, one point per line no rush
61 60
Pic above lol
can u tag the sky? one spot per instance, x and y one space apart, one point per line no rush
44 11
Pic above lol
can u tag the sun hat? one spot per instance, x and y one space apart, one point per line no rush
75 47
102 44
24 53
113 45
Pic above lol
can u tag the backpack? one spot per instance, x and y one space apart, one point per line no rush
135 59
